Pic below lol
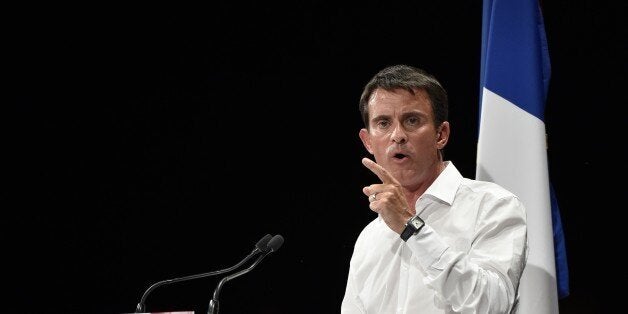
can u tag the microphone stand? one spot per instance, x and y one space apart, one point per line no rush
213 303
273 245
260 247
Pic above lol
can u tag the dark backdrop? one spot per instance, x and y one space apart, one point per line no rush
151 142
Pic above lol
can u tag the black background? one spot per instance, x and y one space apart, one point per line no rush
146 143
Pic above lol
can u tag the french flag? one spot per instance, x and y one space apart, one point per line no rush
512 146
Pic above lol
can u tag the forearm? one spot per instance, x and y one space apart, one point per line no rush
468 285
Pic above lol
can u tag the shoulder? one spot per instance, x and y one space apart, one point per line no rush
370 232
495 199
452 181
489 189
369 229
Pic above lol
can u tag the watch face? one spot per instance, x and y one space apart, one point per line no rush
417 223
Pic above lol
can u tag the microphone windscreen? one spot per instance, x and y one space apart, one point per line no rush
275 243
262 244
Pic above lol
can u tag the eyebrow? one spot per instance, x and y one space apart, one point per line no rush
405 115
381 117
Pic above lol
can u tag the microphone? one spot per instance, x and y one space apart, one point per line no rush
262 246
274 244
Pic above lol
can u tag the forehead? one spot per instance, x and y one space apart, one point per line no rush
399 100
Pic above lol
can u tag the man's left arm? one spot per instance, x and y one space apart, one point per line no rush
485 278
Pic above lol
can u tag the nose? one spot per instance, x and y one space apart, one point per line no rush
398 135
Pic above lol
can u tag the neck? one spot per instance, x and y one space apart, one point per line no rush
412 195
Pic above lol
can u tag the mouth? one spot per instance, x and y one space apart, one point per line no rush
399 157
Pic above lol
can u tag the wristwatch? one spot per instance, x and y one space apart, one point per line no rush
413 226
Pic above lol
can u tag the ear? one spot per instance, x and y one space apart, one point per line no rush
366 140
442 136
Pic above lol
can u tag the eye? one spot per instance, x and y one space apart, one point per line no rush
413 121
382 124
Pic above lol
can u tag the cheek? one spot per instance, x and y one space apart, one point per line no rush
379 143
378 146
425 142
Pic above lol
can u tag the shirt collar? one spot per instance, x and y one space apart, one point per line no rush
446 184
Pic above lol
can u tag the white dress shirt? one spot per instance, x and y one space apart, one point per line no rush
468 258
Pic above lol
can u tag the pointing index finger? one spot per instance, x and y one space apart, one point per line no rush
379 171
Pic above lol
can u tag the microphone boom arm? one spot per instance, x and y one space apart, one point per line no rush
273 245
260 247
140 305
238 274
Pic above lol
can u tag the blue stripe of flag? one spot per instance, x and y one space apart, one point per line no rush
514 45
560 251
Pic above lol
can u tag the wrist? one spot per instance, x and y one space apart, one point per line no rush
412 227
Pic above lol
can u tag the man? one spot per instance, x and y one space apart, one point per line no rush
440 243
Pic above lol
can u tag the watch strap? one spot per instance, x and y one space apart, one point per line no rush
410 230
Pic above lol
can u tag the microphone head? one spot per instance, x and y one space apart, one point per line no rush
262 244
275 243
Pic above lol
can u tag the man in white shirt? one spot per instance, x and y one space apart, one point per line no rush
440 243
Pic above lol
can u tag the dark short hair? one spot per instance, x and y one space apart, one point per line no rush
409 78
